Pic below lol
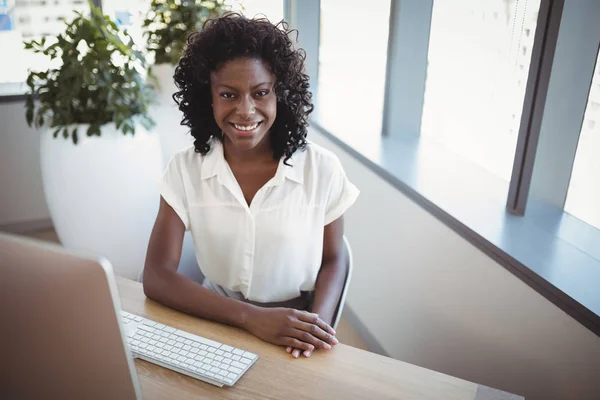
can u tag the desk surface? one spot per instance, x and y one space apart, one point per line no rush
342 373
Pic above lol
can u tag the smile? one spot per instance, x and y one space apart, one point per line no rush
246 127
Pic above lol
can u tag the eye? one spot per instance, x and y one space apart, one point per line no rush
227 95
262 93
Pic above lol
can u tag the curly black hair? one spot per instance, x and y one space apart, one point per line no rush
230 37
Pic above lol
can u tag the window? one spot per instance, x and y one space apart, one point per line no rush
583 198
272 9
478 63
21 20
352 68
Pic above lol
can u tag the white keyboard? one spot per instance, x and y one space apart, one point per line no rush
188 354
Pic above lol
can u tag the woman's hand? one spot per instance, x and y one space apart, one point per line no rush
293 328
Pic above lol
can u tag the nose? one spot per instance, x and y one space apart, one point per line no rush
246 107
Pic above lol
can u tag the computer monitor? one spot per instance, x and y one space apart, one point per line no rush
60 337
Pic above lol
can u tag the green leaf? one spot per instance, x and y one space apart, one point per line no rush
74 136
56 132
65 133
94 87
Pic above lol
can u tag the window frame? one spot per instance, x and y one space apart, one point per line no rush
529 234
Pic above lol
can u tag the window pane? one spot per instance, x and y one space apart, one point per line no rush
583 199
26 20
272 9
352 64
478 62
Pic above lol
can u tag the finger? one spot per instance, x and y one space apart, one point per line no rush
295 343
307 353
308 338
317 332
296 353
314 319
288 349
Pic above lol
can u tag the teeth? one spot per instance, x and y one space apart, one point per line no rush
245 128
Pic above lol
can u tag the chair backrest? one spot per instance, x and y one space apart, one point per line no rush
349 266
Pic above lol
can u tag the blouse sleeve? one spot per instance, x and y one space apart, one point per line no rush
342 193
173 191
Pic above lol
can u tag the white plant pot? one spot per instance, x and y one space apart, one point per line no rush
173 136
103 193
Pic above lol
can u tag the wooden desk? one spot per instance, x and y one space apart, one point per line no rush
342 373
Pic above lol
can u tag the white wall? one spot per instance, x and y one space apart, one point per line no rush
432 299
21 193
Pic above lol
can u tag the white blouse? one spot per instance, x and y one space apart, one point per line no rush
271 250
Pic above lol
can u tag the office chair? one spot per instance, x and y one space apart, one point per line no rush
349 266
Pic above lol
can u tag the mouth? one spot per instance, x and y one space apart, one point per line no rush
246 128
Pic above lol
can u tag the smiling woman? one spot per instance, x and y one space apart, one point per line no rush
217 54
264 205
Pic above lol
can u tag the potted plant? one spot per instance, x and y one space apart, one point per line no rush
166 27
100 163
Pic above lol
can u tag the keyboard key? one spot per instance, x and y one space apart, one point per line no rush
138 319
236 358
149 322
194 350
215 363
210 355
179 339
199 358
204 347
210 374
227 361
211 350
237 365
232 375
219 358
228 380
179 345
168 347
228 355
143 345
244 360
156 337
226 348
188 348
235 370
183 353
199 363
159 326
223 373
249 355
135 342
206 367
202 353
171 342
188 342
160 345
145 340
169 329
195 344
238 352
150 348
220 352
215 370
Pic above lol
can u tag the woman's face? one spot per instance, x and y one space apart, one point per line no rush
244 103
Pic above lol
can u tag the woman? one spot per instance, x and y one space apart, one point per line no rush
265 207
